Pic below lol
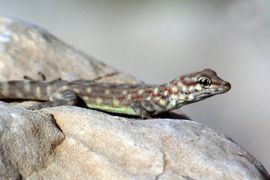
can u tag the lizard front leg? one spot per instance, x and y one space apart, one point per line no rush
140 110
147 109
59 98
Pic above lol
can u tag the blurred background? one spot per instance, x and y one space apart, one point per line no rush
158 40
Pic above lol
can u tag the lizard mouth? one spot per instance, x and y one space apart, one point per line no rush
225 88
211 92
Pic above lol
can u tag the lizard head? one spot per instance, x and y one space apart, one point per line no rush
197 86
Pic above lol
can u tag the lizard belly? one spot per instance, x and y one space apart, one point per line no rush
119 110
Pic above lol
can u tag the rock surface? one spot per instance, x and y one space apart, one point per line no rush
101 146
27 140
77 143
26 49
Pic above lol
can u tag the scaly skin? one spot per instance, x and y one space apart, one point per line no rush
139 100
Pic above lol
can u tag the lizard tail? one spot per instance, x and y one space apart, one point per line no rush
25 90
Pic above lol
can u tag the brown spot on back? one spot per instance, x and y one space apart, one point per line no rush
149 91
136 97
121 98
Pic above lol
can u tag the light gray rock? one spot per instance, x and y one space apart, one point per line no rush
7 171
101 146
77 143
26 49
27 140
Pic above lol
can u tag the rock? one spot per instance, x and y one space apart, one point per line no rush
78 143
27 50
27 140
101 146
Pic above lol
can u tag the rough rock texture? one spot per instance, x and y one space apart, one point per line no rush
98 145
77 143
27 140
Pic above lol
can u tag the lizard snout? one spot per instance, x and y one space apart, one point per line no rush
227 86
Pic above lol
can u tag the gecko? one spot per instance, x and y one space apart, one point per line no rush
140 100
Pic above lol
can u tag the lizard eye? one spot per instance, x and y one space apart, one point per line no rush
205 81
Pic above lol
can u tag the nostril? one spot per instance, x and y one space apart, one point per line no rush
228 85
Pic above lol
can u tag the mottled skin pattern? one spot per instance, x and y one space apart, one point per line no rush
140 100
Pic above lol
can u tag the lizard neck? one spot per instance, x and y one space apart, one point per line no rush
170 95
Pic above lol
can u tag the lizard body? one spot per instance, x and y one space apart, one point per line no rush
140 100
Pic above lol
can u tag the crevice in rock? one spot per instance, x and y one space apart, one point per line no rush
106 76
56 143
164 165
188 178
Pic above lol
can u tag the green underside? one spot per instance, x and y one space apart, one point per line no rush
119 110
